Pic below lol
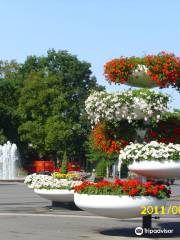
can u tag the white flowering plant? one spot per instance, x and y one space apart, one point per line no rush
30 178
130 105
149 151
141 68
40 181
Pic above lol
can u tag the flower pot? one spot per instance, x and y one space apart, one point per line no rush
115 206
157 169
56 195
141 79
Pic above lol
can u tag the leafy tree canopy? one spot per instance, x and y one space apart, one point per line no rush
9 94
51 104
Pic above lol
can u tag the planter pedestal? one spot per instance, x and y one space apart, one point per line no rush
65 205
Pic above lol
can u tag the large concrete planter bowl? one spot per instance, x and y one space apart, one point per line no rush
157 169
56 195
141 79
115 206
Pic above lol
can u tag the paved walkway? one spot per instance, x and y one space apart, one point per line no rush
24 215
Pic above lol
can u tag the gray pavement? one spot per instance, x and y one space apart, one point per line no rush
24 215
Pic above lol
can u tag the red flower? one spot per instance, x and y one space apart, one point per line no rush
133 192
118 182
125 188
104 140
148 184
153 134
163 68
132 183
167 131
128 187
161 187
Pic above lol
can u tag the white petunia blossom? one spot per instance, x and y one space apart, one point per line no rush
150 151
130 105
40 181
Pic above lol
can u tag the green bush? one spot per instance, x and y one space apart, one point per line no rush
64 164
101 169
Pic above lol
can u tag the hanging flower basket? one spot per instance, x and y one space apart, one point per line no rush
162 69
119 199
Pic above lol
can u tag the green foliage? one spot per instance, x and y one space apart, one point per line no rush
51 104
3 139
9 69
172 115
42 105
95 155
9 94
101 169
64 164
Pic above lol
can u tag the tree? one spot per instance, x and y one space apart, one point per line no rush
11 83
51 104
3 139
9 94
9 69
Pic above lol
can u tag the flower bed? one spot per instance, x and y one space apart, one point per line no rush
76 176
119 199
39 181
51 188
124 188
70 176
131 105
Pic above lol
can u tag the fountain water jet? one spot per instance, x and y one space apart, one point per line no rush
8 159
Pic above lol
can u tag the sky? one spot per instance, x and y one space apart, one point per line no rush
94 30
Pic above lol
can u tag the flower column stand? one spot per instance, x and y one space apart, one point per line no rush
133 106
147 221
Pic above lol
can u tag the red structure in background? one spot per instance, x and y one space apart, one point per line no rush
43 166
49 166
75 166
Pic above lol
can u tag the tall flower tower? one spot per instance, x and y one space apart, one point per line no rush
137 123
